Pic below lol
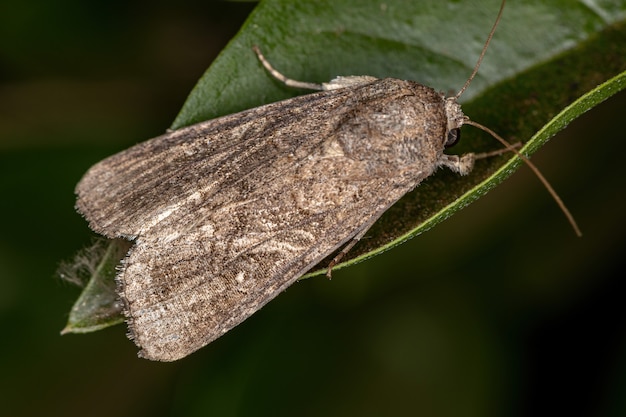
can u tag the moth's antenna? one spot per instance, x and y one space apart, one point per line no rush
532 166
482 54
508 146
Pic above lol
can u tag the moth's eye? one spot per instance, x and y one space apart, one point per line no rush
453 137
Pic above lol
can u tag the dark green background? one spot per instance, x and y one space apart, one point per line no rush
498 311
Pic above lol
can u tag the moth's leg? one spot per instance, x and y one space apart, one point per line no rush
338 82
355 239
280 77
463 164
460 164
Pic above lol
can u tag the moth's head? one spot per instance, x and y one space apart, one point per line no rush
456 118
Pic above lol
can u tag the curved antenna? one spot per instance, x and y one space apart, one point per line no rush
534 168
482 54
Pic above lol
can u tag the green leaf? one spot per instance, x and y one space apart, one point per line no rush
549 53
98 305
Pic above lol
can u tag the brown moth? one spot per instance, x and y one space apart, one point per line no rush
227 213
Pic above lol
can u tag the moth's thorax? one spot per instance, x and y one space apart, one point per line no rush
399 126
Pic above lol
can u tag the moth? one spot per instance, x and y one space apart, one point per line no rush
227 213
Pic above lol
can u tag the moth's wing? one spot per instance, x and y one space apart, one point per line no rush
154 185
183 293
131 192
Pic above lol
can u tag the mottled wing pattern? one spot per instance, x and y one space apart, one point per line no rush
227 213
